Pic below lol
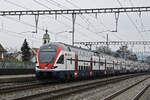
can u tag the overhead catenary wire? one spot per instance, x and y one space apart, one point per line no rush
36 16
132 21
139 32
58 4
20 6
61 6
83 15
62 15
139 15
65 17
108 30
79 8
71 2
25 23
18 34
16 4
40 3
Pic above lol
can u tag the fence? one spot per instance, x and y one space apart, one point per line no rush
16 68
16 65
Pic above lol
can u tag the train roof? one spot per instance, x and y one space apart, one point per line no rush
66 46
76 47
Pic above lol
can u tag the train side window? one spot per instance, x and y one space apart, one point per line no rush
79 68
61 60
88 67
82 67
94 63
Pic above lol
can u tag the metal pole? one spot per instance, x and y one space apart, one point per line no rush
116 18
107 41
36 22
73 27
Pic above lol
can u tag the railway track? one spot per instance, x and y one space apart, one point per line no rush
137 97
132 92
21 87
60 93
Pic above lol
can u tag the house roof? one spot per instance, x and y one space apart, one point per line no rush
2 49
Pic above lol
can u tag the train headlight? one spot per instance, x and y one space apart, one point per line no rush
38 66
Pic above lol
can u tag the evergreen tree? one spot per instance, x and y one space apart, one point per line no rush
25 50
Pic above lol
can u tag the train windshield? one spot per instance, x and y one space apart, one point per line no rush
47 55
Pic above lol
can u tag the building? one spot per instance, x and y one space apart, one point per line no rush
12 56
46 38
2 51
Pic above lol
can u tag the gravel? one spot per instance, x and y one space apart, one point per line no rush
146 95
94 94
99 93
129 94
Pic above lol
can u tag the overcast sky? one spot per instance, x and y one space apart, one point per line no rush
13 30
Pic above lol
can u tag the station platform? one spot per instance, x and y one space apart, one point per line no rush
16 78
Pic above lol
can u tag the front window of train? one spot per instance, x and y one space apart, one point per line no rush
47 54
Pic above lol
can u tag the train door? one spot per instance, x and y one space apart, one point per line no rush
113 66
91 66
69 62
76 66
65 60
105 69
99 63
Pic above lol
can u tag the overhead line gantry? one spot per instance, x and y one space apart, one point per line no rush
90 44
115 43
76 11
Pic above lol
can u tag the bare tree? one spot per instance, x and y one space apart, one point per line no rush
104 49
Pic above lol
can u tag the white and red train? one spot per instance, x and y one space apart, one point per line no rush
62 61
